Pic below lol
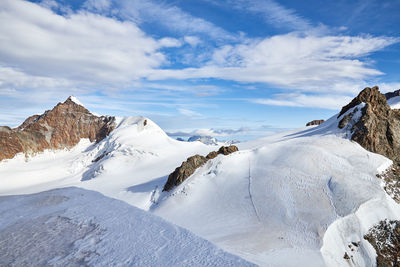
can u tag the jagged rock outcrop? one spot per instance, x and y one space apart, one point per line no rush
385 238
191 164
315 122
390 95
226 150
61 127
378 128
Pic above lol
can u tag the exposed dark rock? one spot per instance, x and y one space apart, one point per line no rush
184 171
385 238
378 129
350 117
105 130
101 157
346 119
226 150
368 95
391 181
392 94
61 127
315 122
212 154
346 256
191 164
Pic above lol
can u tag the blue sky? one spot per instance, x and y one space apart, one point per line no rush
228 68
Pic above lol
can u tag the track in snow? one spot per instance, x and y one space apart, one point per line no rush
251 195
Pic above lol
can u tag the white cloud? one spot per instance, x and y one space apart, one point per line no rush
12 79
274 13
389 87
44 51
295 61
97 5
169 42
188 112
334 102
192 40
171 17
214 132
82 46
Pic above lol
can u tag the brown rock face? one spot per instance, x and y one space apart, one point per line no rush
191 164
315 122
378 129
61 127
226 150
385 238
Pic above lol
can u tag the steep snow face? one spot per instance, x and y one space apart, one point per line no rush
54 228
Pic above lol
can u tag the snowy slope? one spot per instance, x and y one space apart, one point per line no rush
133 154
394 102
54 228
274 201
292 199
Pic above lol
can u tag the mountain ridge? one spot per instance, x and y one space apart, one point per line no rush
61 127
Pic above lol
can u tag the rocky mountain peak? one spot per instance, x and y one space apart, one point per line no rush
62 127
74 100
378 127
371 96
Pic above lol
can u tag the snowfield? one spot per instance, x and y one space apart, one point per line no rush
74 227
292 199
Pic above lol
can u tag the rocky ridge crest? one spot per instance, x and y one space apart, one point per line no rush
378 128
315 122
192 163
61 127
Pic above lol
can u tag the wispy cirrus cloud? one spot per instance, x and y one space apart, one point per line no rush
334 102
211 132
271 11
169 16
274 13
293 61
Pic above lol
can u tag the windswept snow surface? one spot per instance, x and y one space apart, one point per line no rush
75 227
292 199
394 102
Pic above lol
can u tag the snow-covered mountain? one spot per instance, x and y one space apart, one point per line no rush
208 140
300 198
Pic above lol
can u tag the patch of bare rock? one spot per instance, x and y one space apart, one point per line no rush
385 238
315 122
192 163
